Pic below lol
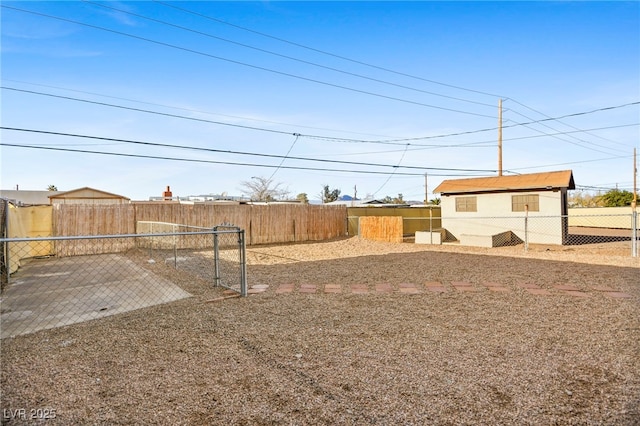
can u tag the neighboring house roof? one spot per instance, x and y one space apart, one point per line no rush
355 202
30 198
532 181
86 193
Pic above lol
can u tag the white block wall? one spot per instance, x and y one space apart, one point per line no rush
494 216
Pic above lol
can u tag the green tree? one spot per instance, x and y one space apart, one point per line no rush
302 197
263 189
616 198
52 188
435 201
393 200
328 195
582 199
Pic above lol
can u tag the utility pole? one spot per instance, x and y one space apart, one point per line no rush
426 191
499 137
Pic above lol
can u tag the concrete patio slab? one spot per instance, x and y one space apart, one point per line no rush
54 292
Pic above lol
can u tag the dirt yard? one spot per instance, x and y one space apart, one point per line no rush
356 333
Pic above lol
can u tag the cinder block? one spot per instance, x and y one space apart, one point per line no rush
430 237
476 240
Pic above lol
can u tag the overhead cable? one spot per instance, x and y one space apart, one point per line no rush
223 151
289 57
562 139
187 109
319 137
327 53
561 122
208 55
193 160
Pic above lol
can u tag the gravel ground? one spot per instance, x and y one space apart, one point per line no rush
452 358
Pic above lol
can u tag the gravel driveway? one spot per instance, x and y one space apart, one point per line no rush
311 350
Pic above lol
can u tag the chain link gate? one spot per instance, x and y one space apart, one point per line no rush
230 258
65 280
4 253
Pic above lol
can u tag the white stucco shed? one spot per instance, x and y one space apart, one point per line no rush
477 208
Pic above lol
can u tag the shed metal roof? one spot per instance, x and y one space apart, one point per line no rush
532 181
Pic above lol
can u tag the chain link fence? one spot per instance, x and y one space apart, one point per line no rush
612 234
4 222
57 281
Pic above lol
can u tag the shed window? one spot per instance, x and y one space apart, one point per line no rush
466 204
518 202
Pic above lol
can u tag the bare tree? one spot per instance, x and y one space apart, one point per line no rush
262 189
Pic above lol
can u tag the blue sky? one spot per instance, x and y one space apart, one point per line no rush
360 96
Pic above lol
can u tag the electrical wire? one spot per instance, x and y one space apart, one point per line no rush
286 74
576 114
288 57
571 162
327 53
188 109
392 173
284 158
565 140
213 150
561 122
317 137
165 114
154 157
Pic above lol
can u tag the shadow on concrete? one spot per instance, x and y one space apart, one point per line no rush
54 292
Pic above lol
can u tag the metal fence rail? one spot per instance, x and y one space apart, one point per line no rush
616 234
129 272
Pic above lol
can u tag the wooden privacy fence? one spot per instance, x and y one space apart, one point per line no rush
381 228
414 219
92 219
263 224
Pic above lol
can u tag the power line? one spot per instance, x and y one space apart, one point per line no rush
222 123
561 122
392 173
572 162
565 140
186 109
165 114
285 157
288 57
492 142
327 53
83 151
317 137
208 55
511 125
200 149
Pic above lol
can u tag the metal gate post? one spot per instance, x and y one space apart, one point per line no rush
431 225
5 246
175 246
634 234
216 257
243 263
526 227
